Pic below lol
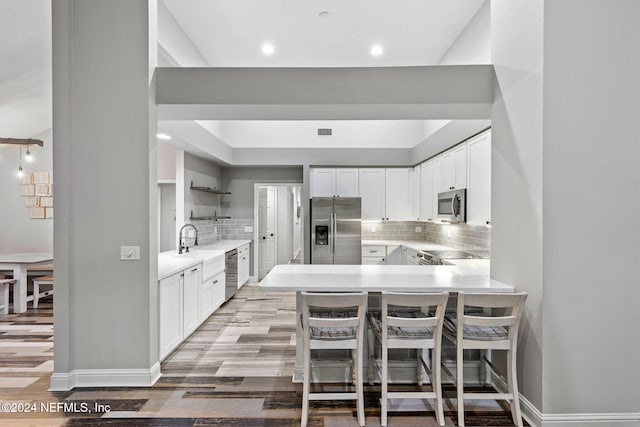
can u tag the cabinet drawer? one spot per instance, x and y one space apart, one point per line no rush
212 267
374 251
372 260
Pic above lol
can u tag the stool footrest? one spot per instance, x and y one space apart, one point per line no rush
333 396
411 395
483 396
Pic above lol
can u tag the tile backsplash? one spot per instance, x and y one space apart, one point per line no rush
458 236
224 229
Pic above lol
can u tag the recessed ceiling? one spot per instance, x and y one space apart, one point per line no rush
231 33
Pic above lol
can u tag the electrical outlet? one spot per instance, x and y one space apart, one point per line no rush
129 253
373 228
215 229
248 229
418 229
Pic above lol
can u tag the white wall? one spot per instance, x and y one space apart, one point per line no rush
473 45
346 133
516 169
18 232
284 225
202 173
105 186
591 146
166 162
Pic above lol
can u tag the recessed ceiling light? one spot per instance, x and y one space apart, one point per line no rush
376 50
163 136
323 15
268 49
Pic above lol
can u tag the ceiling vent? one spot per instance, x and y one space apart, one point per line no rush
325 132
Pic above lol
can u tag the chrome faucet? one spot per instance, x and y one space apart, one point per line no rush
180 238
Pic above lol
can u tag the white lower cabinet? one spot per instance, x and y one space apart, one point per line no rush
374 254
170 310
212 287
243 265
190 298
186 299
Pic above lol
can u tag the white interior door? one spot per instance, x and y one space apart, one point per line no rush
267 205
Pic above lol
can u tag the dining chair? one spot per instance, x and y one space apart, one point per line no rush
493 327
333 321
409 321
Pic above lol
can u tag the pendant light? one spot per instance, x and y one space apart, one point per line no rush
20 173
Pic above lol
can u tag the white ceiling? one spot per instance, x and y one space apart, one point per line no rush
25 67
230 33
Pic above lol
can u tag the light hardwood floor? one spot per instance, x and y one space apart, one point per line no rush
235 370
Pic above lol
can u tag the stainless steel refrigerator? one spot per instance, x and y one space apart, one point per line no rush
336 230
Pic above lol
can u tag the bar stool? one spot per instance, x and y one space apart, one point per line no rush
5 284
333 321
487 331
408 321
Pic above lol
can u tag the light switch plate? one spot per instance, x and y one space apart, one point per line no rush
418 229
248 229
129 253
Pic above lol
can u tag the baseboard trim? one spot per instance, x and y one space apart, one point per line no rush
540 419
64 381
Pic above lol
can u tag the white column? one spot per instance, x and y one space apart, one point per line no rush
105 319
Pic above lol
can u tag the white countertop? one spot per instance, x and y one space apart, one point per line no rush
26 258
224 245
170 262
466 275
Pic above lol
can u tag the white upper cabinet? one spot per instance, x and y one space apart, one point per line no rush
323 182
479 177
438 178
331 182
372 192
414 193
427 188
454 168
347 182
397 194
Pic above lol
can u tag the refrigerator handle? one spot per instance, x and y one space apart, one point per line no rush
333 234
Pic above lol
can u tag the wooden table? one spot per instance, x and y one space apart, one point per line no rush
19 264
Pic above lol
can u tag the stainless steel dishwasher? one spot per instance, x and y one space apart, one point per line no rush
231 274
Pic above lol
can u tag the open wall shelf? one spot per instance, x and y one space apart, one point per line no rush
208 189
213 217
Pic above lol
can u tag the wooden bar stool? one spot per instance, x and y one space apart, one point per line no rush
5 284
43 280
333 321
487 330
408 321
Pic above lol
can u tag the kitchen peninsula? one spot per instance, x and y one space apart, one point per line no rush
465 276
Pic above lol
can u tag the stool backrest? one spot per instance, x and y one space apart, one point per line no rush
511 303
427 326
334 302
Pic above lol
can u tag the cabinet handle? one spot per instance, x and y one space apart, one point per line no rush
181 274
488 222
244 257
215 281
387 219
194 270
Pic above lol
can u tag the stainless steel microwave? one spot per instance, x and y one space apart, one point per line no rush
452 206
